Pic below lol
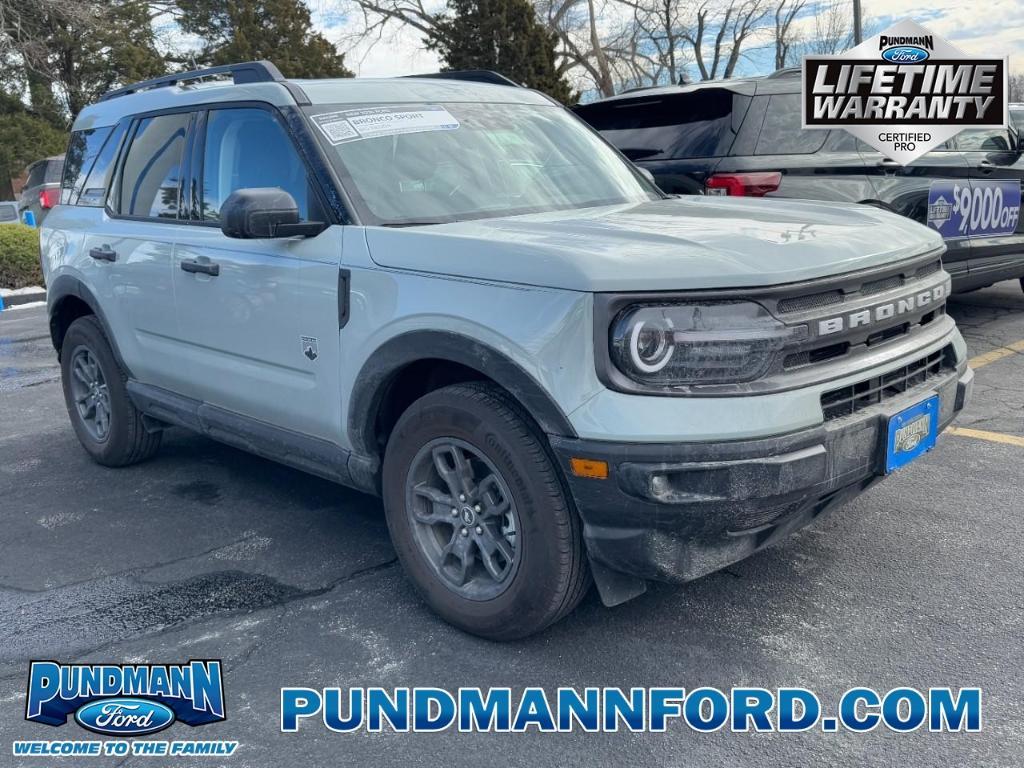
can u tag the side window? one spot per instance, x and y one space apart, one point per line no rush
781 133
984 140
249 148
92 191
152 170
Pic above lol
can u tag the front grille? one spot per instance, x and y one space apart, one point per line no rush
849 400
834 297
813 301
886 284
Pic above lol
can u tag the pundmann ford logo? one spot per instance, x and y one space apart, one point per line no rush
125 700
907 49
881 312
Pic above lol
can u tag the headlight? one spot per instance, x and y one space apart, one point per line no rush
686 344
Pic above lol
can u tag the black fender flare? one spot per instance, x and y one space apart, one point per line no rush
370 384
69 285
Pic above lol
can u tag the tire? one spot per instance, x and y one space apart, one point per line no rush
546 576
125 440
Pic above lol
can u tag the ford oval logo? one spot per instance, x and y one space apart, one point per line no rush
124 716
905 54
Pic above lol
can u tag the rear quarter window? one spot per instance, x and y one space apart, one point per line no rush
781 133
1017 119
695 124
82 151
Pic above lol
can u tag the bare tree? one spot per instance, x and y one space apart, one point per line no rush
720 31
653 49
833 31
21 33
380 17
581 41
786 38
1017 87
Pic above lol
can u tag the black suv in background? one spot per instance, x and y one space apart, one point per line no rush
42 188
743 137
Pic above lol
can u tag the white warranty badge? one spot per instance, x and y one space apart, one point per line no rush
904 92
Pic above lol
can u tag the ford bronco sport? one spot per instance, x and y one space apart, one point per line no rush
454 294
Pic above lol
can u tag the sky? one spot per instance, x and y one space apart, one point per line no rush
989 27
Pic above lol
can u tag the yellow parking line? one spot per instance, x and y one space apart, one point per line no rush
996 354
992 437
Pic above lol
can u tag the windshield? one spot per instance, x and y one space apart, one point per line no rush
433 163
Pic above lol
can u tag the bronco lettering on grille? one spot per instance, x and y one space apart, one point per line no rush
880 312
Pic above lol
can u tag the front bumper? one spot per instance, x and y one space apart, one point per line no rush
677 511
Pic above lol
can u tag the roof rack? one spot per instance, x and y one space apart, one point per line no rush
784 72
248 72
475 75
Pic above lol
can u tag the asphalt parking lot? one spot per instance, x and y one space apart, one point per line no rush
208 552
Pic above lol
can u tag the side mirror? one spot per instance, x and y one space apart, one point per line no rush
264 212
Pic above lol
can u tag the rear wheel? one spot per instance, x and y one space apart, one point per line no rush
106 422
479 516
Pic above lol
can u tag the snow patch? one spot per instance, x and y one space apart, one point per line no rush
21 291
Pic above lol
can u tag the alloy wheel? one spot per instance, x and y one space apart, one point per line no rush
90 394
464 518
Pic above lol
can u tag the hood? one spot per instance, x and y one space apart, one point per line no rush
677 244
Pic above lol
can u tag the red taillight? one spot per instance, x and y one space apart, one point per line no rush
757 184
49 198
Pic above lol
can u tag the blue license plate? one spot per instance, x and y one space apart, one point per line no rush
911 433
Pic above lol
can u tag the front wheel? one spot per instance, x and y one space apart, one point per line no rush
479 516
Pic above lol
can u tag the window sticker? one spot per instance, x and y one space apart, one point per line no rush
355 124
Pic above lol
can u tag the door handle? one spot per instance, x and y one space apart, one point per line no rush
202 267
986 166
105 253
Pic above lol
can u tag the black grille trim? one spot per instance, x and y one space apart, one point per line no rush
846 401
836 297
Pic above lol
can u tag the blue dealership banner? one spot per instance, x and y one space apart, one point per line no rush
980 208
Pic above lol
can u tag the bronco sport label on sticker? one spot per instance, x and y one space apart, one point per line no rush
355 124
904 92
979 209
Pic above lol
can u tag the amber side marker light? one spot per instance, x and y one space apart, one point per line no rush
598 470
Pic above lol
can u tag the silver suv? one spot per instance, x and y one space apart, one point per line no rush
454 294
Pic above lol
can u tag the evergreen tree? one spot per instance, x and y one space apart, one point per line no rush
73 58
24 138
503 36
246 30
